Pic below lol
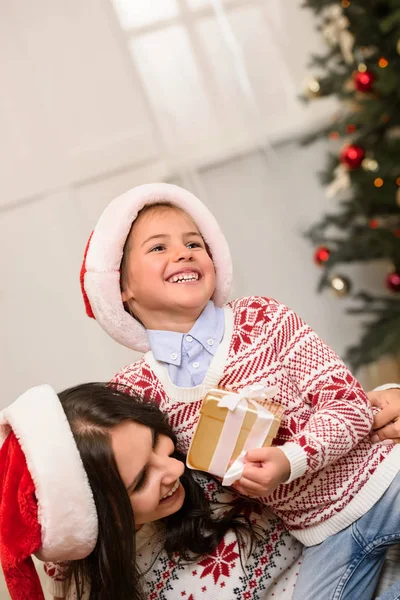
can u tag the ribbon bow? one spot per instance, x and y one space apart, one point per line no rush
237 404
257 390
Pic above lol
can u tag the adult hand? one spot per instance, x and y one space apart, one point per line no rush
386 424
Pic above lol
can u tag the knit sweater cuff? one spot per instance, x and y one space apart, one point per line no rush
297 459
387 386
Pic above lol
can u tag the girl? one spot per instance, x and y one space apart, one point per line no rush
166 294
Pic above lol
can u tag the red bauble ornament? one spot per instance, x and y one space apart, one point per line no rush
321 255
393 282
352 156
364 81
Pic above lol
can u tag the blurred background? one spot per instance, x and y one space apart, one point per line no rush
99 96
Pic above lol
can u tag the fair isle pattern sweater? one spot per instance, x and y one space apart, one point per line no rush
228 573
336 473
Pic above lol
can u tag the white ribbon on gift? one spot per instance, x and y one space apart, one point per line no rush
238 403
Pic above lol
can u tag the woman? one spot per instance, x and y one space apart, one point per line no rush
160 541
164 532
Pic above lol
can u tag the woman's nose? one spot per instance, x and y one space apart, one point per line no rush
173 469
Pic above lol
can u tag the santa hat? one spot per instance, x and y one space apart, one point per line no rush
100 273
46 504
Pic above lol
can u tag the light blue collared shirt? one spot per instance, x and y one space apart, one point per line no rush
187 356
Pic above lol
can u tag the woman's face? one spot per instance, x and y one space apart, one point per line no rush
150 475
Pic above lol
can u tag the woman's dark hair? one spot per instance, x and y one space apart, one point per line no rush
93 409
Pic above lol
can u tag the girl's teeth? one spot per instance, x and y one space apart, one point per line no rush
184 277
172 490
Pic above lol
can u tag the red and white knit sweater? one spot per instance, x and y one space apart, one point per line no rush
336 473
223 574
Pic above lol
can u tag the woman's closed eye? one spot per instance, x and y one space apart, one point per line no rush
141 483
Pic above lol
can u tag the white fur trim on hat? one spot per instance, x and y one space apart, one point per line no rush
103 260
66 509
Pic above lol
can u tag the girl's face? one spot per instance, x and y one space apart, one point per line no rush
150 474
169 273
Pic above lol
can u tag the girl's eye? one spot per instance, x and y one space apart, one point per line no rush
194 245
158 248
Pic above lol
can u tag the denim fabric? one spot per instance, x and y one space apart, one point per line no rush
346 566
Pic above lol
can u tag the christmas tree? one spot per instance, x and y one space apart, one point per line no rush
362 68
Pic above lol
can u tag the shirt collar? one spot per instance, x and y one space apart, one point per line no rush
167 345
209 327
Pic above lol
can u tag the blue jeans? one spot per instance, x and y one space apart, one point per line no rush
346 566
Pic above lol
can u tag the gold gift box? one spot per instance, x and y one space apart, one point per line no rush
210 424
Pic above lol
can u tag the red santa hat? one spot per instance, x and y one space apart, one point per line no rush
46 504
100 273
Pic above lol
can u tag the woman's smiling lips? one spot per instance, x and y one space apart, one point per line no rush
169 495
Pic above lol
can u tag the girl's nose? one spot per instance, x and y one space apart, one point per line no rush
183 253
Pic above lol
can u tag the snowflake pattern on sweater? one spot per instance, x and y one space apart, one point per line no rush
228 573
327 414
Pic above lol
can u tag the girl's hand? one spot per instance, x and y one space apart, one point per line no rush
265 470
386 424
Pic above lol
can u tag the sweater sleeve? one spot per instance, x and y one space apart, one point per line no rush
340 413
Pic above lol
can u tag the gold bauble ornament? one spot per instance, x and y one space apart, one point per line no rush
340 285
370 164
313 88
